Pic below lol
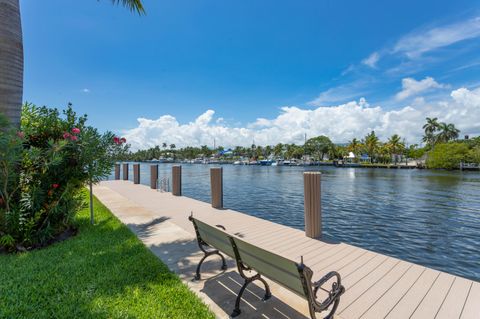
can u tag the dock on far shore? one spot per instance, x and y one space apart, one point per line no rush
377 286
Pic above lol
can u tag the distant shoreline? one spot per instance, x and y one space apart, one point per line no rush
312 164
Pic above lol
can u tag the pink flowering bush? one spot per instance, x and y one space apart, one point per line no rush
49 162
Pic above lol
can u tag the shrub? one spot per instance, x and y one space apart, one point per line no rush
447 155
44 168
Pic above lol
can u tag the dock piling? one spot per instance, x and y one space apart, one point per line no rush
136 173
153 176
125 171
312 204
216 184
117 172
177 180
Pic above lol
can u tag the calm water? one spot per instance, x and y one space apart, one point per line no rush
427 217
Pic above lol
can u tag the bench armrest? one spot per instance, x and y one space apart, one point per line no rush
334 293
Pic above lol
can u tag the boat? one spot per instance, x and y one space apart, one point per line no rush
237 163
266 162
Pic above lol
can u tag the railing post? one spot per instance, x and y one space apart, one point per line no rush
136 173
153 176
177 180
117 171
216 185
125 171
312 204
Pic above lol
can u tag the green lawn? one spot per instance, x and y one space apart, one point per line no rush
103 272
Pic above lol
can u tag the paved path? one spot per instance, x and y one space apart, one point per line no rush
377 286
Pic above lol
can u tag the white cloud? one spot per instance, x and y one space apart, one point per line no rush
372 60
412 87
342 93
86 90
417 43
341 123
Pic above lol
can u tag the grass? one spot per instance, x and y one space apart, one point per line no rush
103 272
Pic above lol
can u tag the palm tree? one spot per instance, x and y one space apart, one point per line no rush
371 145
354 146
447 133
11 55
430 128
395 146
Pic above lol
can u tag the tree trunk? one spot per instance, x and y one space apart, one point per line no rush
11 60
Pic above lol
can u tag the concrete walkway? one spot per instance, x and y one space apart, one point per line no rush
377 286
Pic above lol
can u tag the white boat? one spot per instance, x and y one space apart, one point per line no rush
237 163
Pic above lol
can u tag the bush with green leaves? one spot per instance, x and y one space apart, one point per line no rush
447 155
43 168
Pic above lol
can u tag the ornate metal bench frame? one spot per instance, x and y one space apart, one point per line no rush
310 288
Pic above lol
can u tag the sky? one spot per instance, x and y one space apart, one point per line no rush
191 71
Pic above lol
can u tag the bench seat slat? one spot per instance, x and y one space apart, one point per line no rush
272 266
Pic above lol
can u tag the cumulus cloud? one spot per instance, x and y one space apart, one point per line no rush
341 123
372 60
419 42
412 87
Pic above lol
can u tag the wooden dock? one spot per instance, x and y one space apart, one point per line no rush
377 286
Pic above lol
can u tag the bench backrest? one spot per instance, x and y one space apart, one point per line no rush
214 237
277 268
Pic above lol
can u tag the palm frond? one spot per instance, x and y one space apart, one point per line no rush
132 5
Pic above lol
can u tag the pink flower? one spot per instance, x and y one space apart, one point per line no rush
55 185
123 139
116 140
20 134
75 130
73 138
66 135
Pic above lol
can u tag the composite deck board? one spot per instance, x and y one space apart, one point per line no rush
360 286
377 286
361 305
337 265
412 298
380 308
471 309
453 304
432 302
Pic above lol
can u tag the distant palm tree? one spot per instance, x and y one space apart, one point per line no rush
11 55
172 146
395 146
371 145
354 146
447 133
430 128
164 145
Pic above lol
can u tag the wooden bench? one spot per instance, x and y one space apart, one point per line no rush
294 276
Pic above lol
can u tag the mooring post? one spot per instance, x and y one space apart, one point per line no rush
117 171
216 185
125 171
177 180
136 173
153 176
312 204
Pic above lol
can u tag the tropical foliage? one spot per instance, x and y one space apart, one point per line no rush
447 155
43 168
439 132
